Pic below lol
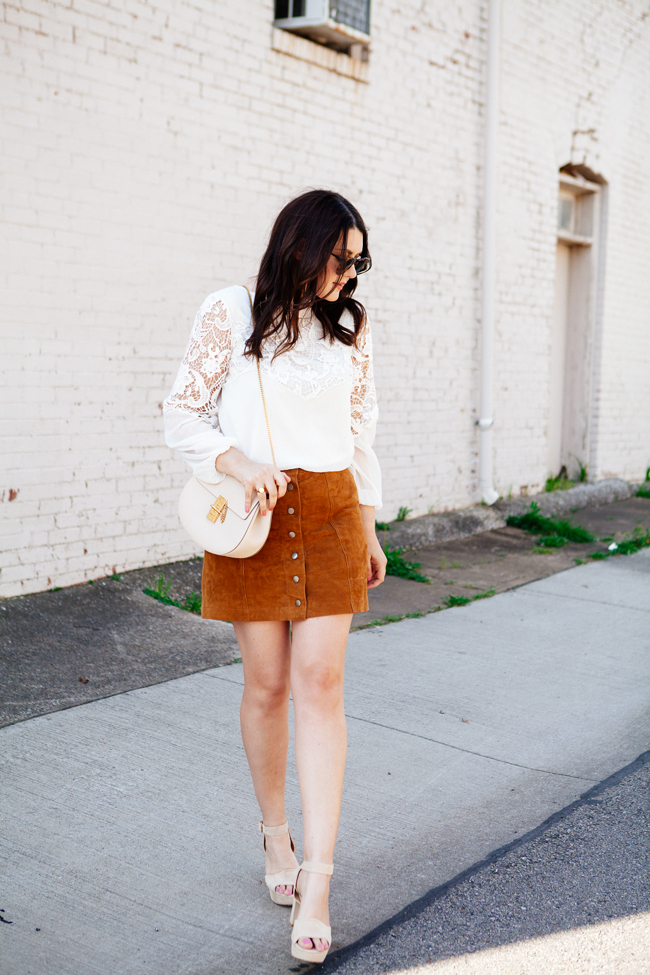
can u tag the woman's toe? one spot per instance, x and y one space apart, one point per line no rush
314 944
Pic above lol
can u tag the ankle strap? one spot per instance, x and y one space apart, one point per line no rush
277 831
274 830
312 867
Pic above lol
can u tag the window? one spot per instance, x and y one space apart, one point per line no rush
575 212
343 25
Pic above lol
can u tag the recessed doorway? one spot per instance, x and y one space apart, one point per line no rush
573 327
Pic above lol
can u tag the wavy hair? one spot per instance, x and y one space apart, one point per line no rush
303 237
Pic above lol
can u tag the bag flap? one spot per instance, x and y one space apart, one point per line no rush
235 494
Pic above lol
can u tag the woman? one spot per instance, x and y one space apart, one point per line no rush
291 604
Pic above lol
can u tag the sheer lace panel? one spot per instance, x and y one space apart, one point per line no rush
204 368
363 399
313 365
215 353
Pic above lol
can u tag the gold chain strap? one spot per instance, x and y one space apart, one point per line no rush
259 376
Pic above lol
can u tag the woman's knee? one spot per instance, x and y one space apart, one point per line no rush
319 684
267 692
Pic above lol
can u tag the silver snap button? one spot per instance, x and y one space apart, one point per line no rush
289 487
296 578
290 510
292 534
297 602
294 555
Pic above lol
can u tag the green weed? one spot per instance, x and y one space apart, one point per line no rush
581 476
398 566
644 490
191 603
382 526
464 600
558 483
161 587
457 601
634 542
391 618
403 513
532 521
552 541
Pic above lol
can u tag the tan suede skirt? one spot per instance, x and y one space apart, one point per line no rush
313 563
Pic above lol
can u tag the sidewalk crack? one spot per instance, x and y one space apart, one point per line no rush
468 751
586 599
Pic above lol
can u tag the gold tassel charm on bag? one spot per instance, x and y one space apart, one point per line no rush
218 510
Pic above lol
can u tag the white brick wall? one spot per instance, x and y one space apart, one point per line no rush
147 147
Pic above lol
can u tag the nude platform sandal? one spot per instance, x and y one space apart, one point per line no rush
284 878
309 927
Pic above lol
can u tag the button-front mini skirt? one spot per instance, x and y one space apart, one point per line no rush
314 562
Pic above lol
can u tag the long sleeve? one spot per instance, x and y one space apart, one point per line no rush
190 411
364 413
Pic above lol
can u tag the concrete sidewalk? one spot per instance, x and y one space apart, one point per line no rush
131 836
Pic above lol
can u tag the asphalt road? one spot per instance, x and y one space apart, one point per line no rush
587 864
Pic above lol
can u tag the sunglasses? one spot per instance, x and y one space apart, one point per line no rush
361 264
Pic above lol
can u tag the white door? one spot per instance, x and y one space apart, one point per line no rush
558 360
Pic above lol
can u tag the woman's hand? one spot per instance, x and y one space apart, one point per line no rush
376 555
262 481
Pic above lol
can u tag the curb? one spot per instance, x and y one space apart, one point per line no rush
446 526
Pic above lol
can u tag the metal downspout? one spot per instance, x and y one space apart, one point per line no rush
486 420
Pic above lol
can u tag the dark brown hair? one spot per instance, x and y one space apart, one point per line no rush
304 235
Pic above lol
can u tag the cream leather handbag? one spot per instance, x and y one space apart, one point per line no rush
214 515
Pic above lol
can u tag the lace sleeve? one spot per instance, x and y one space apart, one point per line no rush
204 368
363 400
190 411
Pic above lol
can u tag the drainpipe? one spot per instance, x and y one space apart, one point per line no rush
486 420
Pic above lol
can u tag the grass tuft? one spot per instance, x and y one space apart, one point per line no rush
403 513
191 603
382 526
552 541
635 541
457 600
464 600
398 566
558 483
532 521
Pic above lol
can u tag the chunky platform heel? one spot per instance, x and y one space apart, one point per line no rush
284 878
309 927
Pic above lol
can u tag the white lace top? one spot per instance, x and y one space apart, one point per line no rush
320 397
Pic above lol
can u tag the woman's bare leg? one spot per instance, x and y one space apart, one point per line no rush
266 656
317 669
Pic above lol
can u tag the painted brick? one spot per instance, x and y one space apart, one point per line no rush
147 150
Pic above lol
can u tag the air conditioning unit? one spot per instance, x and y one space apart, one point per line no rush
337 23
